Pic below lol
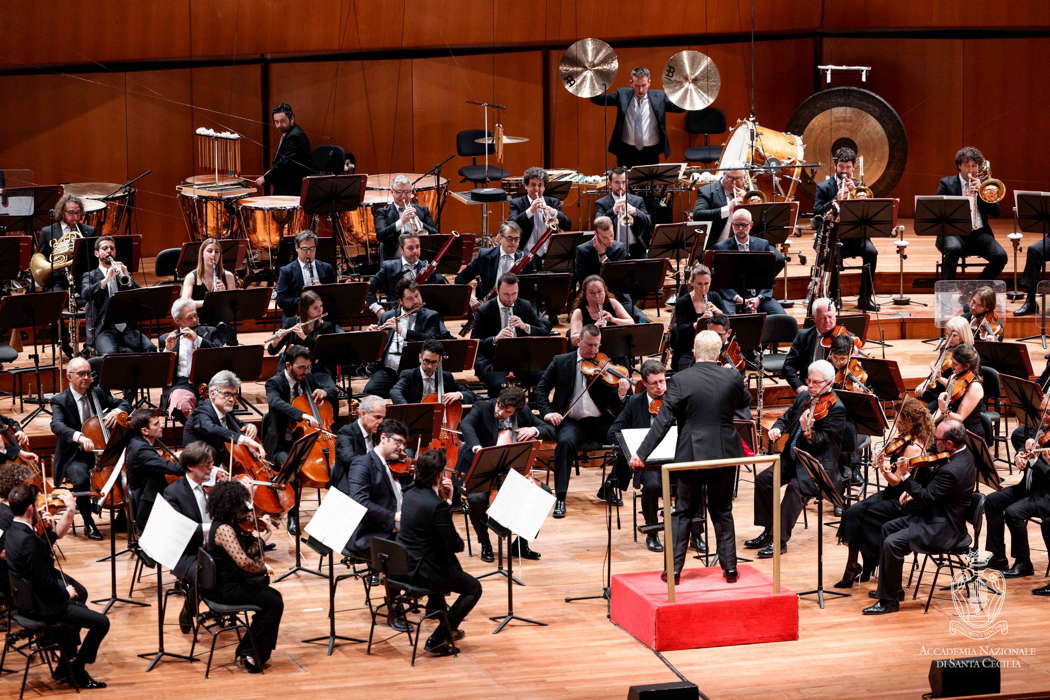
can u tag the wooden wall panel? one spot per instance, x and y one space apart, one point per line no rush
243 27
872 14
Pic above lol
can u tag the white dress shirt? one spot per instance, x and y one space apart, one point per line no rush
585 407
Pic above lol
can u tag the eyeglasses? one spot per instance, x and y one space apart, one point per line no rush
402 191
428 362
227 394
82 373
309 248
399 441
512 239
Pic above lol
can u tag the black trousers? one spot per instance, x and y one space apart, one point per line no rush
1012 507
719 483
630 156
494 379
790 505
265 623
111 340
861 524
571 433
78 617
765 306
1033 266
896 544
469 590
981 244
862 248
479 517
381 382
78 473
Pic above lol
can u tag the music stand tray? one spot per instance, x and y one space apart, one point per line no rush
344 301
867 218
649 177
423 421
459 354
29 217
865 411
451 301
825 489
528 354
773 221
234 252
561 251
884 377
243 360
748 329
137 372
1024 398
741 270
1005 357
550 288
457 255
943 215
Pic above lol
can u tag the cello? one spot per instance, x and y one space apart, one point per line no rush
447 440
316 468
258 475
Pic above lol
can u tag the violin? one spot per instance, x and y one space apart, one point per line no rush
854 373
654 406
959 384
7 436
926 460
602 366
317 465
403 464
822 404
731 353
269 497
986 326
825 341
896 446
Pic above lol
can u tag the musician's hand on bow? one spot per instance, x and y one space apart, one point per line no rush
86 443
528 433
309 419
1020 461
31 457
250 431
942 402
221 474
774 434
319 395
110 418
71 591
623 386
22 438
554 418
636 462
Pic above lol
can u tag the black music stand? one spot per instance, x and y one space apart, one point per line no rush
32 216
548 291
245 361
113 598
636 279
1032 215
15 253
354 349
234 252
33 311
748 329
774 221
139 372
331 195
678 241
1005 357
297 454
143 305
742 270
231 305
943 215
633 341
162 606
865 410
648 178
457 255
884 377
527 354
1025 398
561 251
343 301
286 249
129 252
451 301
459 354
866 218
423 421
825 489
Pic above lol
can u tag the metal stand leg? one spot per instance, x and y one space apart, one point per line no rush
113 598
504 620
819 590
332 639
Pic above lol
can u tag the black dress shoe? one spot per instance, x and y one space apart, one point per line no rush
399 623
767 551
837 511
559 508
652 542
856 477
1042 590
699 545
440 647
1019 569
293 529
269 547
486 553
677 577
86 682
882 607
869 305
998 563
185 620
608 494
521 548
875 595
763 540
1029 307
250 665
91 532
730 575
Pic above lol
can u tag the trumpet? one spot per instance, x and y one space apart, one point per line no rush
413 225
625 214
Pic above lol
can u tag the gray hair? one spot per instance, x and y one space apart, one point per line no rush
741 214
400 180
369 403
180 306
824 368
823 303
707 346
224 378
509 226
954 430
640 72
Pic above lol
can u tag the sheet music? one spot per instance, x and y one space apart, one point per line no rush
335 520
521 506
167 533
664 452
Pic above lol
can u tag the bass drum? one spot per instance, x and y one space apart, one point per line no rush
266 220
753 144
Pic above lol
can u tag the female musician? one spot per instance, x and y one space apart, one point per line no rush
303 330
242 577
209 276
690 312
595 305
984 321
861 525
956 332
14 442
966 391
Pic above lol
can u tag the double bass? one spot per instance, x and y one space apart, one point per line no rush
109 445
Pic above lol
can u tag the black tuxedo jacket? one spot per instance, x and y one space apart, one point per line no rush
367 483
180 496
709 202
799 357
427 325
519 214
588 261
50 234
29 558
350 442
279 399
146 471
642 227
683 332
12 448
940 507
635 414
428 536
390 273
826 193
386 229
756 244
480 428
826 441
489 322
702 399
203 332
203 424
621 99
65 421
290 284
409 387
951 186
291 163
560 376
96 296
485 267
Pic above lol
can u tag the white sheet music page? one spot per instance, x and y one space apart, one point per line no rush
521 506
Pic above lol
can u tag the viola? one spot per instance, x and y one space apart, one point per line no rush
317 465
986 326
822 404
602 366
852 372
731 353
926 460
959 384
654 406
269 497
825 340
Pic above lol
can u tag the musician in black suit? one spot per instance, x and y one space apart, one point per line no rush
145 465
106 334
74 456
357 438
50 595
506 316
528 210
602 248
305 271
15 447
370 482
69 215
292 380
839 188
413 384
804 348
431 542
582 406
702 399
291 162
749 300
180 397
981 241
639 134
620 202
400 216
492 263
482 427
637 413
214 423
408 267
937 518
821 437
717 200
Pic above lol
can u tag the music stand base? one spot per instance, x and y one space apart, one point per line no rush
819 591
604 595
901 301
156 656
332 639
506 620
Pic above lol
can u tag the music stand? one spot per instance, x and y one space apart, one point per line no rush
1024 397
245 361
33 311
527 354
648 178
459 253
548 291
741 270
865 410
28 209
139 372
331 195
748 329
231 305
561 251
344 301
636 279
867 218
15 253
825 489
987 474
1005 357
943 215
676 241
423 421
459 354
143 304
297 454
1032 215
884 377
451 301
353 349
633 341
286 249
234 252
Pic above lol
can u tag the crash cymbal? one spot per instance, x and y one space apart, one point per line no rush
691 80
860 119
588 68
506 139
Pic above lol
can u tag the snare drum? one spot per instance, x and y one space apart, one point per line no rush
112 220
770 148
427 194
265 220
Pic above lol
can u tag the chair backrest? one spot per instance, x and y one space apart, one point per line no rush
709 120
976 514
206 576
389 558
21 593
166 262
467 146
992 386
328 159
779 328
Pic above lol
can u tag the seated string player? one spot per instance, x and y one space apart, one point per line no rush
984 321
357 438
415 384
148 465
213 421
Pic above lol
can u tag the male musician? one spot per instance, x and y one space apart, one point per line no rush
820 437
936 521
702 399
717 200
69 214
74 451
507 415
408 267
97 286
401 216
583 406
492 263
431 541
413 384
805 348
839 355
15 448
306 270
409 321
639 134
838 188
44 593
618 205
293 380
180 397
638 413
527 211
291 162
749 301
981 242
1015 505
147 469
213 421
357 438
506 316
602 248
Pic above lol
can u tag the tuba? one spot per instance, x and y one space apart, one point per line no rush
41 267
991 190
